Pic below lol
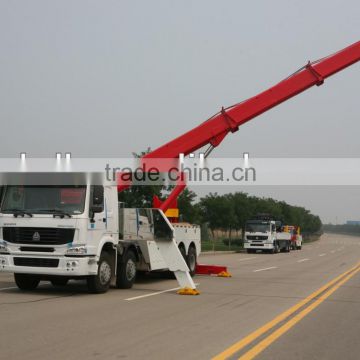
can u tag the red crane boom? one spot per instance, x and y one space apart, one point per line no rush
214 130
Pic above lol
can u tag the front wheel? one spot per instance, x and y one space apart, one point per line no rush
100 283
191 260
126 274
26 281
275 249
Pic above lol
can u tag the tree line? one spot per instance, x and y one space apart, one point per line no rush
230 211
342 229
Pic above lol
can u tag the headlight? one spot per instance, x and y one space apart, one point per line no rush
3 248
77 250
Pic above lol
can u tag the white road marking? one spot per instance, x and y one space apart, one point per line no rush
154 293
249 258
302 260
322 254
269 268
8 288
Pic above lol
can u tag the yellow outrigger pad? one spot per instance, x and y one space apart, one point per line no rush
224 274
188 291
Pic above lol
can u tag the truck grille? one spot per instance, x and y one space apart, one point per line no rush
257 237
36 249
36 262
38 236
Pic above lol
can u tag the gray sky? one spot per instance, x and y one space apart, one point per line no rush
105 78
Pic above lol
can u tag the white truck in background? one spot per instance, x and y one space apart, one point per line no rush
262 233
58 233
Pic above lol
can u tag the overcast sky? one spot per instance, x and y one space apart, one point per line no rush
105 78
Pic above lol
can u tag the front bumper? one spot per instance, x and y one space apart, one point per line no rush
68 266
258 246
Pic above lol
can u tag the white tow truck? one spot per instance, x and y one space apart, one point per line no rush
58 233
262 233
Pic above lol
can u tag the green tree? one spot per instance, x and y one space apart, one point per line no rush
141 195
189 211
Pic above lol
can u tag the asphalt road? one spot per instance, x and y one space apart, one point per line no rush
151 321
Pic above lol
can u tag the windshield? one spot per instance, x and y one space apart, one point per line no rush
257 226
44 199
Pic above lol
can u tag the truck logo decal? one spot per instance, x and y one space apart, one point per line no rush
36 236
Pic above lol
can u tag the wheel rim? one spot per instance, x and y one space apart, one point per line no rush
130 270
104 273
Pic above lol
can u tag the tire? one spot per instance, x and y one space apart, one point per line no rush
100 283
183 251
288 247
26 281
299 247
191 260
60 281
276 249
126 274
249 251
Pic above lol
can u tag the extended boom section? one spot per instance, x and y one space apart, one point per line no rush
214 130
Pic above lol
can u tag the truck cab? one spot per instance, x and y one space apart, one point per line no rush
260 234
57 233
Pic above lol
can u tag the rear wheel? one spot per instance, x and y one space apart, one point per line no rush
288 247
182 251
100 283
192 260
26 281
126 274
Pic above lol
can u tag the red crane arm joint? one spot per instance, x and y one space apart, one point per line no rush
319 77
233 125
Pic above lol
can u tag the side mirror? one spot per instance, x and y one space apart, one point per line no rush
96 209
98 195
97 201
